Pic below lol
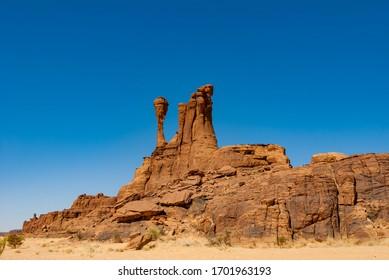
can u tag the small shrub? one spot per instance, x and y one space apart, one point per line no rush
3 242
116 238
104 236
15 240
281 241
155 232
222 239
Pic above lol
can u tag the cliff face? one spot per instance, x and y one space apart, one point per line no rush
189 185
337 199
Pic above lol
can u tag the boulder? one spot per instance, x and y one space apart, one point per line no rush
179 198
135 210
327 157
225 171
139 241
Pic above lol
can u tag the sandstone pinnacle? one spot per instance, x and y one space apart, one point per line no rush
189 185
160 106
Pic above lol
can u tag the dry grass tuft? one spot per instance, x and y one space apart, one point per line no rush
221 240
155 232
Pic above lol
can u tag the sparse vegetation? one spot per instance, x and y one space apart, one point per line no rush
15 240
281 241
155 232
222 239
104 236
3 242
117 238
218 242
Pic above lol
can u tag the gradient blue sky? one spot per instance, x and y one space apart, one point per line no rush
78 79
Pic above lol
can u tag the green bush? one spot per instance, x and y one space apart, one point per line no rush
3 242
15 240
281 241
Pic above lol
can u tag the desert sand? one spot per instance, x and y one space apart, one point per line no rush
193 249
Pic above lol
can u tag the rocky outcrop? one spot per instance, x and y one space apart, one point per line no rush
191 147
135 210
345 198
267 156
189 185
86 211
178 198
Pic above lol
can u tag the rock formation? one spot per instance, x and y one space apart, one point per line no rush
189 149
160 105
189 185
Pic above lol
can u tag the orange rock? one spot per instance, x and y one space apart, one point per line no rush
250 191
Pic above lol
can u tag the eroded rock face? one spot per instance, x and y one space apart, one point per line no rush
86 211
189 185
191 148
345 198
250 156
138 209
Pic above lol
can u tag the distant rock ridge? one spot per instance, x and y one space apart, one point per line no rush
189 185
13 231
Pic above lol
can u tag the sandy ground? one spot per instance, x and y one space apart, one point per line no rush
191 249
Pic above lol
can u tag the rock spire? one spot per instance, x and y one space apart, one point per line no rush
160 106
190 186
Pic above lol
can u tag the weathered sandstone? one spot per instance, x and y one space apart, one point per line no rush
189 185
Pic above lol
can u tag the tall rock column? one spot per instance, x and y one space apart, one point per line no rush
181 121
190 149
161 107
203 140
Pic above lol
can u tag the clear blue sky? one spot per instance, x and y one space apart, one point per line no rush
78 78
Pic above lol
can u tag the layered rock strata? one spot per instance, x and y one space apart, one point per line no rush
189 185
